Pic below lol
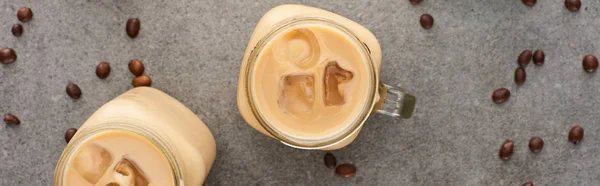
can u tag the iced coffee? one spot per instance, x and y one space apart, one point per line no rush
141 138
311 81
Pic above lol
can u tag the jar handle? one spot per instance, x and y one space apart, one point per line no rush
395 102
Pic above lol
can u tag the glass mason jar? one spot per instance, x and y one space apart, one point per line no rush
383 99
181 137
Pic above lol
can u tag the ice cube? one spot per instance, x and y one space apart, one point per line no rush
297 93
91 162
126 173
335 79
299 47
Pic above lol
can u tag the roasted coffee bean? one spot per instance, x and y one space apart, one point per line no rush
426 21
573 5
141 81
330 160
529 2
17 30
415 1
103 70
73 91
539 57
536 144
11 119
24 14
136 67
346 170
590 63
501 95
506 150
7 56
69 134
576 134
525 58
133 27
528 184
520 76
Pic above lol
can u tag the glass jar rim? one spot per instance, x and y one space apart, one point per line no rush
342 135
117 124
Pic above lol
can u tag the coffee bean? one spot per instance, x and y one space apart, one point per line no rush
330 160
520 76
529 2
24 14
536 144
573 5
539 57
576 134
73 91
103 70
136 67
506 150
426 21
525 58
414 2
141 81
528 184
346 170
133 27
17 30
11 119
501 95
69 134
7 56
590 63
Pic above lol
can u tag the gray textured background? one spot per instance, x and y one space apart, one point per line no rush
193 50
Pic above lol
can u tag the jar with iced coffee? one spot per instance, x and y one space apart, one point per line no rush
310 79
141 138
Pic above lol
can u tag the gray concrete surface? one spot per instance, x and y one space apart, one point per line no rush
193 50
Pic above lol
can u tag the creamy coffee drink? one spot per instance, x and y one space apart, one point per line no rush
118 158
311 81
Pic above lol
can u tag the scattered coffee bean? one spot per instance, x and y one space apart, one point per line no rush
330 160
69 134
573 5
141 81
501 95
525 58
133 27
136 67
529 2
7 56
506 150
426 21
539 57
11 119
590 63
17 30
24 14
103 70
73 91
576 134
414 2
520 76
528 184
536 144
346 170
